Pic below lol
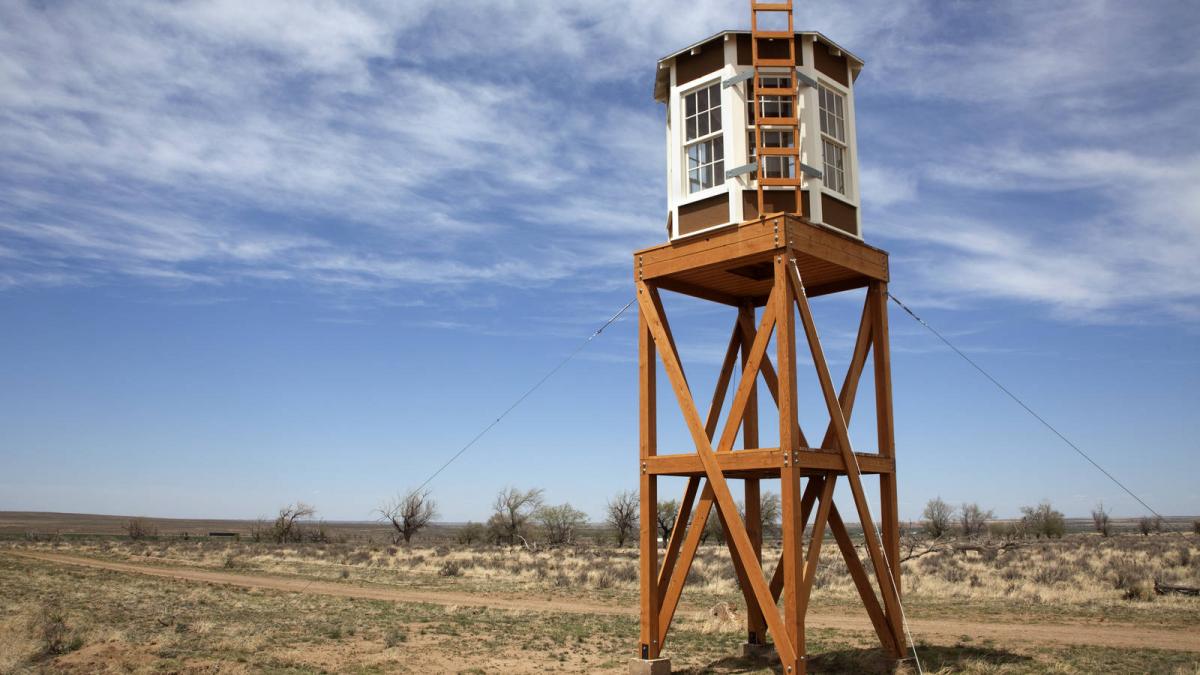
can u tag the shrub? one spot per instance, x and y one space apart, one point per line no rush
1196 527
1147 524
55 634
604 580
1043 521
937 515
138 529
1052 574
450 569
471 533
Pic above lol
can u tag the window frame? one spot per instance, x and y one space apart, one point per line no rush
843 144
715 137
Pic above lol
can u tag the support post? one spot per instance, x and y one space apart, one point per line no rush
789 475
648 446
888 497
756 624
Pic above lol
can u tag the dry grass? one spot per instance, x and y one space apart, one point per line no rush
144 624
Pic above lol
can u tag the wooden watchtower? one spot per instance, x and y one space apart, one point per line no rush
776 262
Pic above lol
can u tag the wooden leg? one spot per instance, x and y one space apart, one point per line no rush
888 496
789 475
756 625
648 489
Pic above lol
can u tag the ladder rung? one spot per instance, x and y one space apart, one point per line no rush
771 6
772 35
780 152
776 122
789 182
774 91
774 63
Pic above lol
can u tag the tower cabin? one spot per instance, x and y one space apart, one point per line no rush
711 163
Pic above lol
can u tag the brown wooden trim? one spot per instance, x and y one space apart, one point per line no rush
767 462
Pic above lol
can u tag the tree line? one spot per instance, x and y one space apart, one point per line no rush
523 517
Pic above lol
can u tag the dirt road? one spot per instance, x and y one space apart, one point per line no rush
930 630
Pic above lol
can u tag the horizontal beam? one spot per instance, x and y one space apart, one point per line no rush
764 462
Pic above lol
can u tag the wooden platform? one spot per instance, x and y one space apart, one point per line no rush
733 264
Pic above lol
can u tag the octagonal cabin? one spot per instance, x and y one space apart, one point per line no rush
711 168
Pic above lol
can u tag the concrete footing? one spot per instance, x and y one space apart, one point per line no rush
758 652
650 667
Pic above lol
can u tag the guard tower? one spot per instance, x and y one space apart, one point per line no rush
764 235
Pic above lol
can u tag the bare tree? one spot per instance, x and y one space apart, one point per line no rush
973 519
938 515
1146 525
287 527
1101 520
622 514
771 510
1043 521
560 523
511 513
667 512
408 513
139 528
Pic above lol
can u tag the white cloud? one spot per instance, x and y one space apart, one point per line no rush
381 145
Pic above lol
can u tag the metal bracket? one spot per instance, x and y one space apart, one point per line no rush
737 79
802 78
739 170
811 171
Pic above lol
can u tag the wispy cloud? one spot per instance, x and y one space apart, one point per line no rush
424 147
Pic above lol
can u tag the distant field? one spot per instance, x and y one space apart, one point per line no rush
19 523
99 602
45 523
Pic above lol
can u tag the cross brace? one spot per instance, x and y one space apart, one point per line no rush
711 466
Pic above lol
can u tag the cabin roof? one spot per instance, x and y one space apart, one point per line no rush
662 79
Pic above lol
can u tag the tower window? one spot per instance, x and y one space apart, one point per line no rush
703 144
833 138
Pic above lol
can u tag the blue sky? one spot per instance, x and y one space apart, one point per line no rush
258 252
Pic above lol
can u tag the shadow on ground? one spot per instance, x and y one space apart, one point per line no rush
933 659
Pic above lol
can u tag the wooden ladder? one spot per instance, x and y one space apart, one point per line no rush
788 93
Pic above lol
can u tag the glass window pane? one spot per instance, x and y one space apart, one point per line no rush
691 128
715 120
689 104
702 122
